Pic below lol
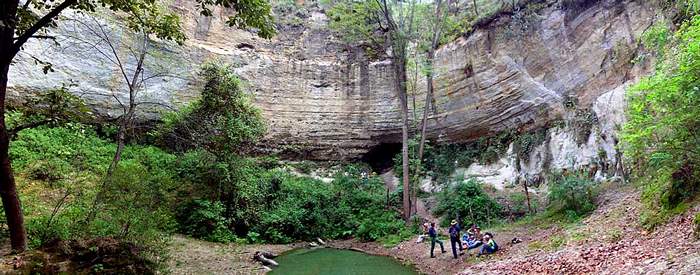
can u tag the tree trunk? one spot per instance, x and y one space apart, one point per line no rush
8 189
125 122
437 28
527 196
398 63
400 70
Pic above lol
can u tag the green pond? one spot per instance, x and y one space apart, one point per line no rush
337 261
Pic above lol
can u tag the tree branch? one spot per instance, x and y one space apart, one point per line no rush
43 22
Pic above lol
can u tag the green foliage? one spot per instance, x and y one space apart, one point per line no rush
378 223
250 14
525 143
657 37
305 208
413 161
681 9
696 226
357 23
661 136
571 195
53 107
136 205
150 16
466 201
518 203
270 204
50 171
205 220
289 12
444 159
222 121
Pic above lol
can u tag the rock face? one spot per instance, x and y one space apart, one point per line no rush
596 155
324 102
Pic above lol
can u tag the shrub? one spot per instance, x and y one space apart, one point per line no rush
205 220
571 195
304 208
466 200
222 121
50 171
377 223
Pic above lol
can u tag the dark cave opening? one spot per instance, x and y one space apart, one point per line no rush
381 156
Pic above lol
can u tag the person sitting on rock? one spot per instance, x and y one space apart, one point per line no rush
475 231
434 239
490 245
424 233
469 241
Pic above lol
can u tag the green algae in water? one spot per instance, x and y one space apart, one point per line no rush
337 261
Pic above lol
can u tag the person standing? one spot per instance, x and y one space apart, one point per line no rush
454 238
433 239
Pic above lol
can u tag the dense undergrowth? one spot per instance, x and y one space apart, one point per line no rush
661 137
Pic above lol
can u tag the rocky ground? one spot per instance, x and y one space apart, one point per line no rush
609 241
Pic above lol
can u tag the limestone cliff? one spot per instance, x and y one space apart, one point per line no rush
324 102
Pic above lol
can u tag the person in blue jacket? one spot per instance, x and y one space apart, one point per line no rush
433 239
454 238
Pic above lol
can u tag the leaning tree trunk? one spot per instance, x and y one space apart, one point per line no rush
8 189
125 121
437 28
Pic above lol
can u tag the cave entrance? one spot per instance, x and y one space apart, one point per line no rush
381 156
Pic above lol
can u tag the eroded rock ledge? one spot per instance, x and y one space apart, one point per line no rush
323 102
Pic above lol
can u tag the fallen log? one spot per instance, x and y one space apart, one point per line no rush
264 260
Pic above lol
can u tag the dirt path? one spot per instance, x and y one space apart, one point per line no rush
191 256
609 241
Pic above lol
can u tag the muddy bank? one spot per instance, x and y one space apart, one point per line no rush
191 256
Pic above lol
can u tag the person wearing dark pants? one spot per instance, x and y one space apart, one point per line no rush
433 239
490 245
454 238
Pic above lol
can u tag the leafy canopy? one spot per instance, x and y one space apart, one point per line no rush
147 16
